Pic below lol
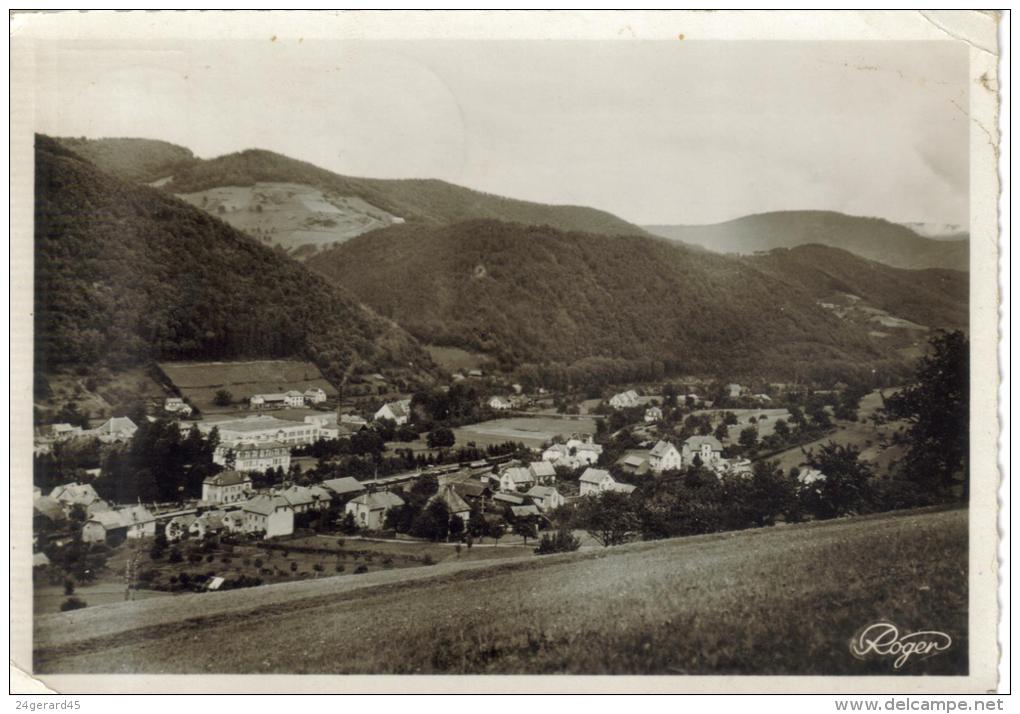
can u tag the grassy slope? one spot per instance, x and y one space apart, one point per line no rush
780 600
872 238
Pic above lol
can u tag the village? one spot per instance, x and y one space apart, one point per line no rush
492 488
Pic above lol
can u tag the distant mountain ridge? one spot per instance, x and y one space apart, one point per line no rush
127 274
352 205
872 238
135 160
525 293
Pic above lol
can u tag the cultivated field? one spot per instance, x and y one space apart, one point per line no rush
783 600
199 381
532 431
454 359
297 217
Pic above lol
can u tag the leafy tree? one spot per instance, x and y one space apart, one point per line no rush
608 517
525 528
223 398
749 438
440 438
348 525
563 541
936 406
846 488
782 429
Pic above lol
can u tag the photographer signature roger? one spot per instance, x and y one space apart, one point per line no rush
884 640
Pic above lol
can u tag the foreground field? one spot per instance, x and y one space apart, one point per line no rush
769 601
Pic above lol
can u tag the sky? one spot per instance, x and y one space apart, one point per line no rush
670 132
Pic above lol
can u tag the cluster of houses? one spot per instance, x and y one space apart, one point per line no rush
705 451
574 453
116 429
290 398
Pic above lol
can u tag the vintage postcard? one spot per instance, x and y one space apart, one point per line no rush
571 351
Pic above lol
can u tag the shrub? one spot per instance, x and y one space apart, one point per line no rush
562 542
175 556
340 567
361 569
72 603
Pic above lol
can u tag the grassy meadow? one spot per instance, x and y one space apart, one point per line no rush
783 600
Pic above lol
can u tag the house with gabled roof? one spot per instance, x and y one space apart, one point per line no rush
625 400
515 478
226 487
369 509
500 404
398 412
546 497
542 472
665 457
272 516
706 448
456 505
343 488
75 494
596 481
115 429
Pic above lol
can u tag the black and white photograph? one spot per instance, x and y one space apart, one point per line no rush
567 345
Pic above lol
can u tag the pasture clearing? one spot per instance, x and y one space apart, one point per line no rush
198 382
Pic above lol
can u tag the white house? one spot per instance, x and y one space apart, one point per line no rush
399 412
72 494
546 497
595 481
315 395
253 456
226 487
303 499
369 509
115 429
707 448
556 454
585 451
665 457
624 400
734 390
131 522
271 515
542 472
500 404
515 478
653 414
176 405
290 398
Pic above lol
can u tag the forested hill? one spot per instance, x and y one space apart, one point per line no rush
126 274
872 238
135 160
534 294
934 298
414 200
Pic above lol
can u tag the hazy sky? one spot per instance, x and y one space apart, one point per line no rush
654 131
